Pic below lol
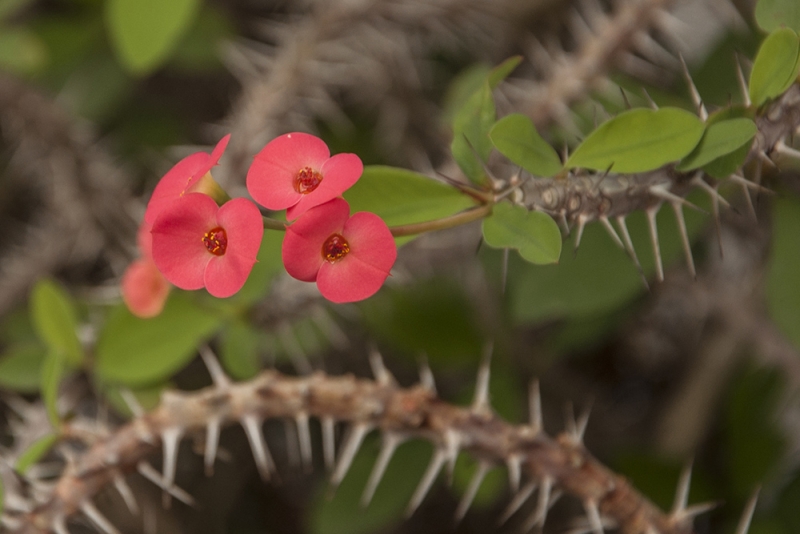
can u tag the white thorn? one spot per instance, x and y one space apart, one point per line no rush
132 402
453 445
382 375
748 184
171 439
390 442
682 491
252 427
581 224
693 511
351 445
127 494
304 437
90 511
328 441
514 465
581 424
218 376
542 504
535 406
766 159
611 232
663 193
593 515
480 402
563 224
782 148
649 99
519 499
150 473
212 442
653 226
426 375
742 83
472 490
439 456
698 102
626 239
60 525
687 248
747 514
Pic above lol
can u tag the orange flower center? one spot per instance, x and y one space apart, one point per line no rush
335 248
306 180
216 241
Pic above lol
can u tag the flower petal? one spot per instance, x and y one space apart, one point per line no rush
302 246
225 275
339 173
349 280
371 241
270 179
178 248
144 288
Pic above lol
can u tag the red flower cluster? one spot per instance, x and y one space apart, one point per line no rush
196 243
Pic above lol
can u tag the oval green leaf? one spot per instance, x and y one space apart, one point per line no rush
34 453
403 197
516 138
52 372
534 234
776 65
20 367
639 140
55 320
144 32
139 352
773 14
721 138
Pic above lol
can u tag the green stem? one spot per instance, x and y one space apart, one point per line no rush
272 224
458 219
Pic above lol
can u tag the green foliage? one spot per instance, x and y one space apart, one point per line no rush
145 32
402 197
52 372
720 139
20 367
776 66
21 51
55 319
639 140
471 145
239 350
35 452
516 138
783 284
138 352
533 234
269 264
774 14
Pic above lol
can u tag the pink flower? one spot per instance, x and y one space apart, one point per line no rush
144 288
198 244
348 257
295 172
185 177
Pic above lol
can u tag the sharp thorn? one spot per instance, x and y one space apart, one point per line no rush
94 515
611 232
535 406
682 491
653 227
582 423
519 499
593 515
426 375
132 402
218 376
539 515
749 200
389 445
579 232
328 441
480 402
435 465
786 150
304 437
150 473
170 439
352 443
252 427
382 375
514 466
687 249
212 443
60 525
626 239
127 494
563 224
649 99
661 192
749 184
625 96
766 159
742 83
698 102
693 511
747 514
472 490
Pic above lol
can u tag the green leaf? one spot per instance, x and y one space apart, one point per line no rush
773 14
501 71
402 197
269 264
516 138
776 65
54 317
52 372
20 367
34 453
239 350
138 352
721 138
639 140
534 234
144 32
783 283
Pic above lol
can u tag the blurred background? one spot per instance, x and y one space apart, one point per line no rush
98 99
